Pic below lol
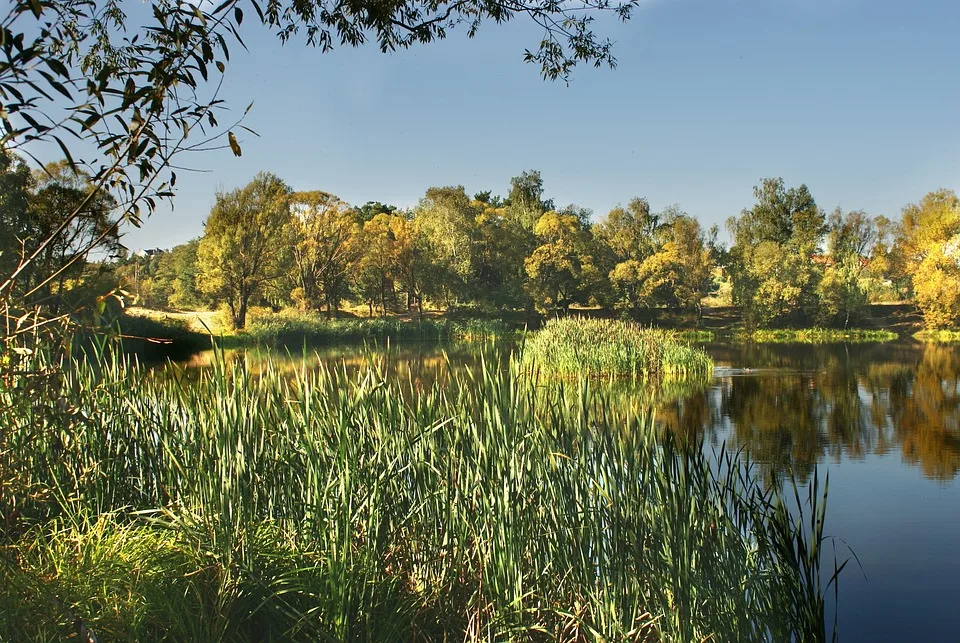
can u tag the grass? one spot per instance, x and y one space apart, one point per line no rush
316 505
575 346
292 329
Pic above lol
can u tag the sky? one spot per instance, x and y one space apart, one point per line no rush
859 99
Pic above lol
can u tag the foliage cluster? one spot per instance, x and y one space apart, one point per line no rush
321 506
789 265
782 275
518 252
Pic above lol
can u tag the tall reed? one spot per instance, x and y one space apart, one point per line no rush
574 346
317 505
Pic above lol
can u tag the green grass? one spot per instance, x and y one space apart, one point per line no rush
291 329
573 346
314 505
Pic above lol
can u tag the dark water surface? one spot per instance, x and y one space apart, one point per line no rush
882 419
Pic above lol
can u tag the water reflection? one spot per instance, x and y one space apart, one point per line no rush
795 406
790 406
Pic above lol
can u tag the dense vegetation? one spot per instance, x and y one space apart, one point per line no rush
289 328
315 505
789 265
577 347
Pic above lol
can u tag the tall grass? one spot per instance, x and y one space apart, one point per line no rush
575 346
323 506
293 329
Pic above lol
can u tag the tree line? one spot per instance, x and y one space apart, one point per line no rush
789 263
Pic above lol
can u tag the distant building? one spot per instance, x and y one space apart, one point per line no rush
149 252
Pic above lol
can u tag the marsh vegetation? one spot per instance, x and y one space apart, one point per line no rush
321 504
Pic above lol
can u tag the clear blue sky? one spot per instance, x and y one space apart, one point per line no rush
859 99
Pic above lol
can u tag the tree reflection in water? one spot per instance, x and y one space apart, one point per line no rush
795 406
791 406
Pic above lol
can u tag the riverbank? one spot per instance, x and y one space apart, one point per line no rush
158 331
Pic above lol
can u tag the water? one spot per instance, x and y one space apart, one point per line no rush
882 419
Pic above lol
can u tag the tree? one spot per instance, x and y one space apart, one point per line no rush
928 249
772 260
371 209
59 188
446 219
386 239
525 202
627 237
33 223
562 270
16 181
850 241
325 236
134 88
501 247
680 272
244 246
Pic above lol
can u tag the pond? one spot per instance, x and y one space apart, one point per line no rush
882 419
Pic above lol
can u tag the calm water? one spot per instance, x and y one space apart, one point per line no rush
882 419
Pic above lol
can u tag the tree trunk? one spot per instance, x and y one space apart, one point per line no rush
240 313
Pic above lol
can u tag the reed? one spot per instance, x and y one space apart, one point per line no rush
317 505
291 329
573 346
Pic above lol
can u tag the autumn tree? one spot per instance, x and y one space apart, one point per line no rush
245 244
928 248
627 237
502 245
326 247
384 239
562 270
679 273
773 259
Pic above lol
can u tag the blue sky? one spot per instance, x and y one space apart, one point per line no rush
859 99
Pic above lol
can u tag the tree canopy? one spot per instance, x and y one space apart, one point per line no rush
121 89
244 247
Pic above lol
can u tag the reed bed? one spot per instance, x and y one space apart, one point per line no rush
574 346
287 329
322 506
